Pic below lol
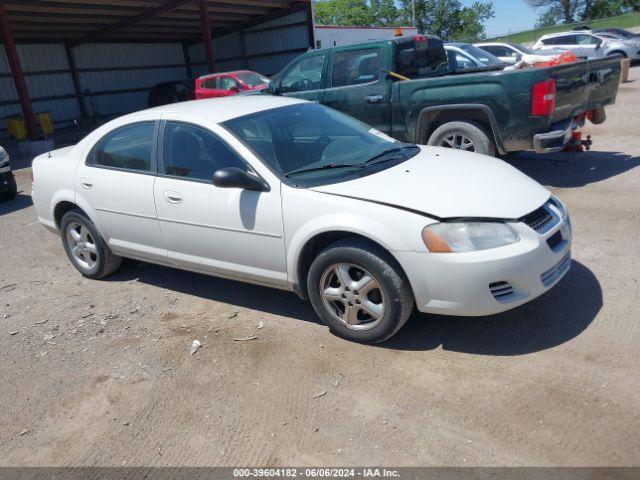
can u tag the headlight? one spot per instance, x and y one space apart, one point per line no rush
555 201
467 237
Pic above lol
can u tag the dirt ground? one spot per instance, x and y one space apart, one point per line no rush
99 372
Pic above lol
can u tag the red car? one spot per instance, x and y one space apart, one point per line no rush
229 83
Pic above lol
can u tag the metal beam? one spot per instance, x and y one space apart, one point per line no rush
310 27
16 68
128 22
206 36
76 80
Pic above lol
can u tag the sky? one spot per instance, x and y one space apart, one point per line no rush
514 15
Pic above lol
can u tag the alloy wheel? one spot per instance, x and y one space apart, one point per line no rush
83 248
458 141
352 296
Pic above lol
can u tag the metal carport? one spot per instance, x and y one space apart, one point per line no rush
75 57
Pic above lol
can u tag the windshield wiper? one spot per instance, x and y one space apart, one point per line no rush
370 162
327 166
386 152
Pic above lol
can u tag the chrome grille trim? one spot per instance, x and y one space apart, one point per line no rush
541 219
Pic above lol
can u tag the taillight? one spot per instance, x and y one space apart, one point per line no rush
543 99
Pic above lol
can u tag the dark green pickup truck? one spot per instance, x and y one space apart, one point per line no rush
404 87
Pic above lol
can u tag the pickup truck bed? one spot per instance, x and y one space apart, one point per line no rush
505 98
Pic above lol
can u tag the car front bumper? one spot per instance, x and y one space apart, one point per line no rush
490 281
7 181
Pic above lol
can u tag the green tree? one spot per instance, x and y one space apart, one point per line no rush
385 13
449 20
343 12
569 11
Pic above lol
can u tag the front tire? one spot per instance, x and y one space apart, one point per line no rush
85 248
359 291
467 136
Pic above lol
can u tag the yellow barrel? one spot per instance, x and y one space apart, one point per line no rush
45 122
16 127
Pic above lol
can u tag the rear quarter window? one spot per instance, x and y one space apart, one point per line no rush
415 62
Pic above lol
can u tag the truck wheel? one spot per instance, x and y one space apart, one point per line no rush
468 136
359 292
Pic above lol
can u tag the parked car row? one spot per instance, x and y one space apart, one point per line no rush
585 44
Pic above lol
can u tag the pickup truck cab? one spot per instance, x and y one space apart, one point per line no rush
404 88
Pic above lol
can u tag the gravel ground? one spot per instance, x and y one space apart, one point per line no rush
99 372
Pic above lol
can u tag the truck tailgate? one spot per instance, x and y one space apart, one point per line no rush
585 85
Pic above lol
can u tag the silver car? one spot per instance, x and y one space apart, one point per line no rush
627 47
583 44
464 56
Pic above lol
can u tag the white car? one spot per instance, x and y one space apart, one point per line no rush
511 53
583 44
294 195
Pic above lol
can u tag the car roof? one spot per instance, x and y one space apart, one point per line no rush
572 32
218 74
221 109
455 44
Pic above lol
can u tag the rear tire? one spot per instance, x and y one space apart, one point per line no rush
85 247
468 136
359 291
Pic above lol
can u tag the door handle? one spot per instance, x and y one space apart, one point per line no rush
172 197
374 98
86 183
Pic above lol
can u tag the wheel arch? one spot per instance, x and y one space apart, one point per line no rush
618 52
319 241
62 205
433 117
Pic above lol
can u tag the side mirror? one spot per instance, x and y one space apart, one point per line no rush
234 88
233 177
272 88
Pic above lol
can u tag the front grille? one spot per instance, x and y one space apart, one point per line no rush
501 291
556 272
539 219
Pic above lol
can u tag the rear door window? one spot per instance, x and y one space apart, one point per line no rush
127 148
563 40
355 67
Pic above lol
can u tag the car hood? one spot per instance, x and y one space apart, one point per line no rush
446 183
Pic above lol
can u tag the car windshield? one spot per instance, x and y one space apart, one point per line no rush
482 55
252 79
307 143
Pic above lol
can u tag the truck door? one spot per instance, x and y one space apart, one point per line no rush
357 86
305 78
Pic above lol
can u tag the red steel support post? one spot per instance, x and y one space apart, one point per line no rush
16 71
206 36
310 26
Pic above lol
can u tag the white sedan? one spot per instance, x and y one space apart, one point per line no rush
294 195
